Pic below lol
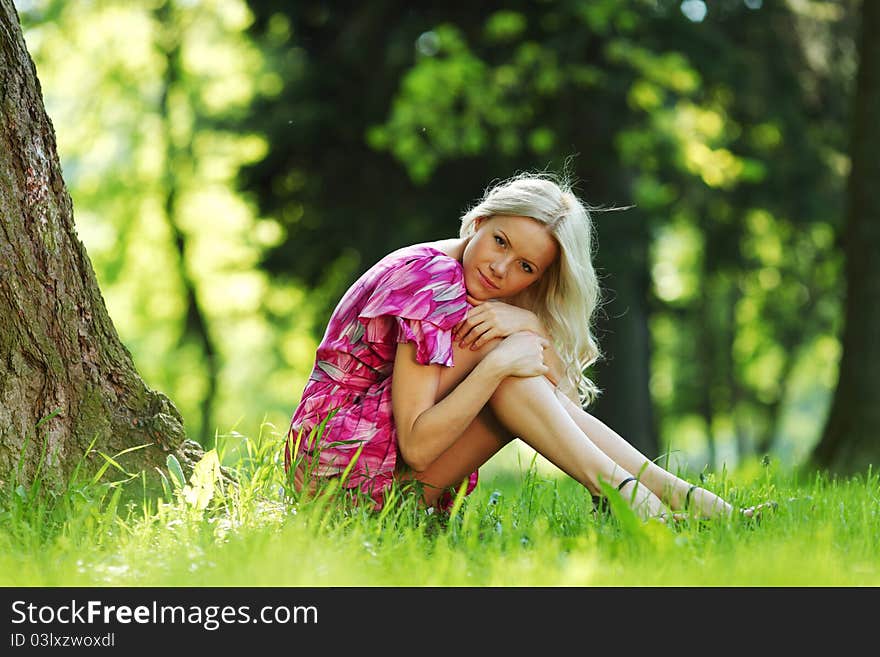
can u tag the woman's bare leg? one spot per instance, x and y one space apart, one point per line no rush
487 435
667 486
480 442
530 409
670 488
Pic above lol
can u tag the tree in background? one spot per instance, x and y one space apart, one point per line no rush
139 93
746 273
851 440
69 391
380 122
721 131
457 120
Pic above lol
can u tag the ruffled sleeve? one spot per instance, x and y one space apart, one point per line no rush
418 300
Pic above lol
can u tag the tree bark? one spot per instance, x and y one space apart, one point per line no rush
706 369
851 439
195 325
66 380
625 403
731 381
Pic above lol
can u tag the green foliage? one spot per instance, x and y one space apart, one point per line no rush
176 472
526 528
728 136
452 104
708 144
102 72
505 25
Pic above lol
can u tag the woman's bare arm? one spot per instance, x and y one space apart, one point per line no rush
426 427
431 412
488 320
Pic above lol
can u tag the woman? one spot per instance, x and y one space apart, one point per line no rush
443 352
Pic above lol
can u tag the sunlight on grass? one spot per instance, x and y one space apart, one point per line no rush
523 526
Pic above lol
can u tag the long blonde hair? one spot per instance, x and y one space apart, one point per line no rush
567 295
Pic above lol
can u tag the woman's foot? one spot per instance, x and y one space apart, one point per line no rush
758 510
639 499
703 504
642 501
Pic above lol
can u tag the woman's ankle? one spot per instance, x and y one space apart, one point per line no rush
703 503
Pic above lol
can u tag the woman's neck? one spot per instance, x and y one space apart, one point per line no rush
453 247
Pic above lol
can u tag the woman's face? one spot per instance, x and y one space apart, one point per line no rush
506 255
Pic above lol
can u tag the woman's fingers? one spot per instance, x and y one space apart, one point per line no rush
489 320
476 325
477 337
466 334
489 334
462 330
467 325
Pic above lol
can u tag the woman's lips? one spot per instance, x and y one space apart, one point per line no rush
486 282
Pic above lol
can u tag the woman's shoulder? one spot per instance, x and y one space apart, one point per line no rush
451 247
416 268
441 254
417 282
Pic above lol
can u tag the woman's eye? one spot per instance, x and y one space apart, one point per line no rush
499 240
527 267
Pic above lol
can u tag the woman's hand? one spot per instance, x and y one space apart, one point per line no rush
521 354
488 320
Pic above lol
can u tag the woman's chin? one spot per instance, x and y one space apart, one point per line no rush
482 296
479 294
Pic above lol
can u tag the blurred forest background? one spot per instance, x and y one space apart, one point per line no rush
235 165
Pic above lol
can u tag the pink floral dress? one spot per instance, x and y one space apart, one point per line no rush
415 294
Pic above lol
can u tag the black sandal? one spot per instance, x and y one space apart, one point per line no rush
625 482
600 504
757 510
687 498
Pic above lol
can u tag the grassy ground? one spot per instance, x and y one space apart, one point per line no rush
519 528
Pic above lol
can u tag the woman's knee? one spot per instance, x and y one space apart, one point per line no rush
505 390
488 423
512 388
464 360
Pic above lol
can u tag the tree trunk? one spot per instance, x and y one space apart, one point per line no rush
851 439
66 379
195 325
625 403
706 369
733 384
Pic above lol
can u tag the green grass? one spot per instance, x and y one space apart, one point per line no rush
519 528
